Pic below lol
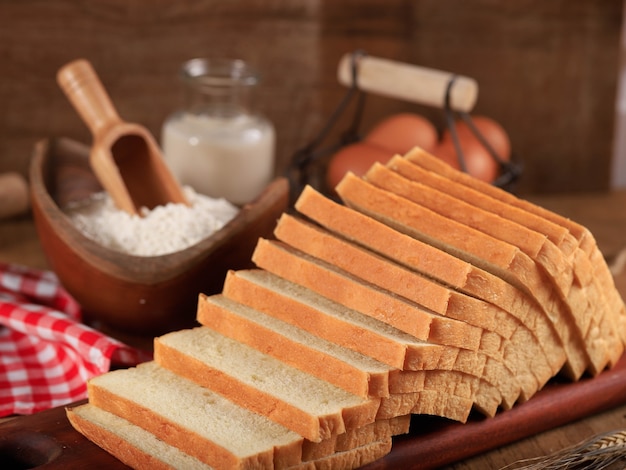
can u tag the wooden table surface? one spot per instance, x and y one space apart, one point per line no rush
604 214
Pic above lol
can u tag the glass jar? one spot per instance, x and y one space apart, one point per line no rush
216 143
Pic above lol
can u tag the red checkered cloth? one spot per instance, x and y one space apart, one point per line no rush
46 353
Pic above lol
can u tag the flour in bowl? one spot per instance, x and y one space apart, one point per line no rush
162 230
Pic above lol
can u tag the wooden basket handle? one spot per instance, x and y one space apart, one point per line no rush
85 91
407 82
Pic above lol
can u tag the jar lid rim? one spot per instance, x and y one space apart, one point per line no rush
219 72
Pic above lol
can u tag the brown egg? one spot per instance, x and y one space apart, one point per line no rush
479 162
402 132
492 131
357 158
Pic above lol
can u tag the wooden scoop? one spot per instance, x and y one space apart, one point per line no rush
124 156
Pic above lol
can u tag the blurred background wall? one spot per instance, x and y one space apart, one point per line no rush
547 70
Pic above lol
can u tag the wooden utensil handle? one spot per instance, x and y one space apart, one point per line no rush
407 82
14 199
81 85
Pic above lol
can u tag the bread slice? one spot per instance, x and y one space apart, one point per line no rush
350 370
438 264
312 407
461 360
376 431
142 450
129 443
327 280
581 234
439 388
379 430
195 420
350 459
310 311
585 306
432 402
498 257
486 397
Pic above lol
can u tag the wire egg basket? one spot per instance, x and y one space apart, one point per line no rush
455 95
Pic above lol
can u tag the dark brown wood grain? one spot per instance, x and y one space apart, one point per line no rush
547 70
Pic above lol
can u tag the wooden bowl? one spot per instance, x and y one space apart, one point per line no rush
135 295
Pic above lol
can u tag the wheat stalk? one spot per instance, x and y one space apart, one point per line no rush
597 453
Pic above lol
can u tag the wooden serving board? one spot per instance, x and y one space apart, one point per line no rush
47 441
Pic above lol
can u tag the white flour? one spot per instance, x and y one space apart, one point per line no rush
162 230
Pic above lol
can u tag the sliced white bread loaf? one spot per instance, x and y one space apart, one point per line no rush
142 450
498 257
412 300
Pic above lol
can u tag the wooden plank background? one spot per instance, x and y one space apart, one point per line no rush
547 70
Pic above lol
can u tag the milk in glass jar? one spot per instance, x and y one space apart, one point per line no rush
216 143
